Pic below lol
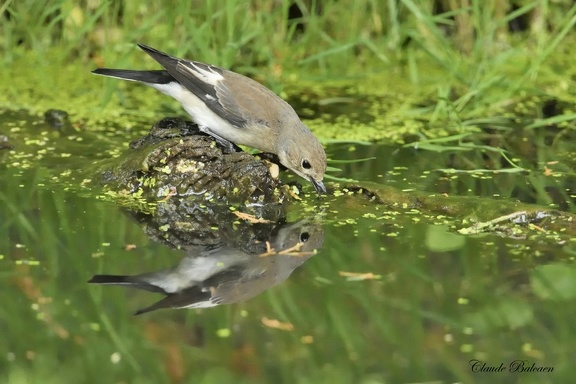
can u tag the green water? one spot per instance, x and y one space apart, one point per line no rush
387 298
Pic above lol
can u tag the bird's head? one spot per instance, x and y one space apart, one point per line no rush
304 155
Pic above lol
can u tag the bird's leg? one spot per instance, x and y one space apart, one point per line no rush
228 145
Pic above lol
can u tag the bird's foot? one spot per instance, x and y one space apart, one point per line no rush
273 158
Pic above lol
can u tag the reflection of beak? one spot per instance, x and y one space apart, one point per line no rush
318 186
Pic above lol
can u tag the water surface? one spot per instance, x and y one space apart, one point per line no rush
387 298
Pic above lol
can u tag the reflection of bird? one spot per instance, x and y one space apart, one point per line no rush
224 275
234 108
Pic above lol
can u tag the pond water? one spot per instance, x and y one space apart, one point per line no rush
388 296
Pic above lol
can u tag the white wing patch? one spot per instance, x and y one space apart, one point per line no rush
208 76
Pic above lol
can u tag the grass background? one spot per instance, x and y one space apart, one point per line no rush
436 64
328 36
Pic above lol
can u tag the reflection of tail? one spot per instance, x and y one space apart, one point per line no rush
110 279
128 281
191 297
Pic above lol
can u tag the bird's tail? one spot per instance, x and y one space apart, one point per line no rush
150 77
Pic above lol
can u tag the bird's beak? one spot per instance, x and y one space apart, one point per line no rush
318 186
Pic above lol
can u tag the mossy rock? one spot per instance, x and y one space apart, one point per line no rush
176 159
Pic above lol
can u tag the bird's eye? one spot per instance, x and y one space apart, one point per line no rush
304 236
306 164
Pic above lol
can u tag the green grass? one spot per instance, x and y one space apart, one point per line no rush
336 35
216 23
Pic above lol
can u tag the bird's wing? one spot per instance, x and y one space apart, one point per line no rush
205 81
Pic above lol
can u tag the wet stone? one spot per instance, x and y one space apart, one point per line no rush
57 119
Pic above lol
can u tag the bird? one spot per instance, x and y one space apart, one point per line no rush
233 108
